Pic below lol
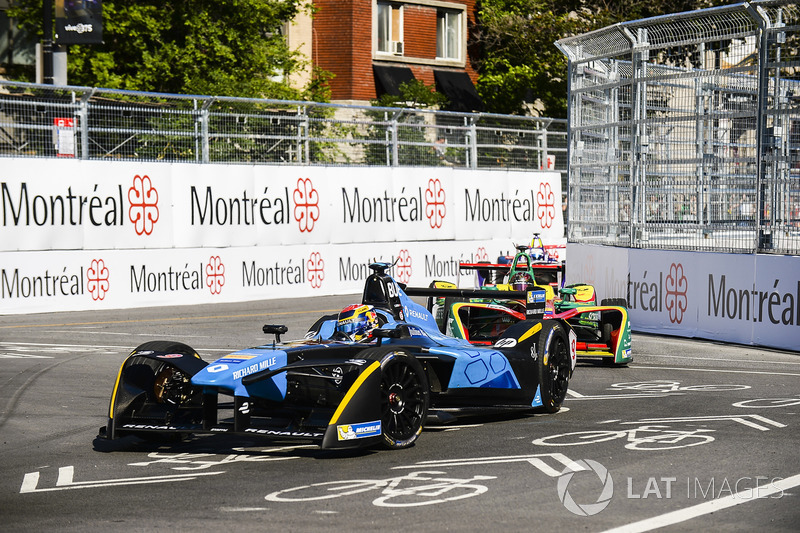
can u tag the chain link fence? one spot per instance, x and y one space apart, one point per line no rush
685 131
101 124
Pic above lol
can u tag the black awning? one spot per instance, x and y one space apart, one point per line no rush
458 88
388 79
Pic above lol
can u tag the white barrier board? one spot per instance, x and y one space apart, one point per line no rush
82 235
743 298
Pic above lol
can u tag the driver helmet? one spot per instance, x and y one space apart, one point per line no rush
521 281
357 321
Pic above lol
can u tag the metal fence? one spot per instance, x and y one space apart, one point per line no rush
685 131
123 125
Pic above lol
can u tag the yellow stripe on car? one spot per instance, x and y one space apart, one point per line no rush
350 393
533 331
114 394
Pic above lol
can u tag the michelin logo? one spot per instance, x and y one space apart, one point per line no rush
359 431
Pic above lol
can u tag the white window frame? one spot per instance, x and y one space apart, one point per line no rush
448 21
439 5
387 9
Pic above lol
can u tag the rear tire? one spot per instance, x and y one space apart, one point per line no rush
555 365
616 302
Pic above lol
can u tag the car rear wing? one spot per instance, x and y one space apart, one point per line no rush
492 273
534 300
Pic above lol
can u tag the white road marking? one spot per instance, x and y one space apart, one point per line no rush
537 460
66 473
743 360
712 506
716 370
622 396
747 420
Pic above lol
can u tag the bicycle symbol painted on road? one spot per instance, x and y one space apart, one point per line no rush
646 437
411 490
767 403
661 385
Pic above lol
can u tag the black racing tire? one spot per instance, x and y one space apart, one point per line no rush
554 364
616 302
404 396
161 384
606 329
165 347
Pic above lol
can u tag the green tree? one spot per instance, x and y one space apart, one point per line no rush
226 47
520 62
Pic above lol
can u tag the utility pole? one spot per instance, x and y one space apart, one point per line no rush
47 43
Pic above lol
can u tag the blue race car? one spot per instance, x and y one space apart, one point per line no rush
374 373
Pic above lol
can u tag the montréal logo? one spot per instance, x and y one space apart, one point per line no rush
306 205
97 279
546 211
215 274
403 266
676 294
143 211
316 270
435 208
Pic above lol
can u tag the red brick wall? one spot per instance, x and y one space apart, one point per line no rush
419 31
342 44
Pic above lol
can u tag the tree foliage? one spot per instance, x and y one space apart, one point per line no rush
520 62
226 47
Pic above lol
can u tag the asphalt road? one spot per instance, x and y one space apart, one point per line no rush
693 435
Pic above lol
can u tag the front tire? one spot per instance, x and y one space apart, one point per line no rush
555 366
404 396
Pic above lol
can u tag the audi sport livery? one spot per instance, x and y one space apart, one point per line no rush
339 392
603 331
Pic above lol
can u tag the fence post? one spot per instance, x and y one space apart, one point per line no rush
763 238
83 122
395 148
473 143
204 114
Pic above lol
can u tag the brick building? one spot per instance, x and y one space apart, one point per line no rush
371 46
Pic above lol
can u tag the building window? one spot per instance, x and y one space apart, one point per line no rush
390 29
448 34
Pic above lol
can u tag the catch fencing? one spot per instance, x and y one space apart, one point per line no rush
685 131
103 124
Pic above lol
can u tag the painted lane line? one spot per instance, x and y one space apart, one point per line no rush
682 515
623 396
536 460
747 420
66 473
715 370
725 360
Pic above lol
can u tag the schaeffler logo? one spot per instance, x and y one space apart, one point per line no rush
481 254
676 293
435 209
143 211
403 266
97 279
316 270
215 274
606 492
546 210
306 205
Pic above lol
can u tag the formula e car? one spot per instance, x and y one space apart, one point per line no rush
603 331
342 390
